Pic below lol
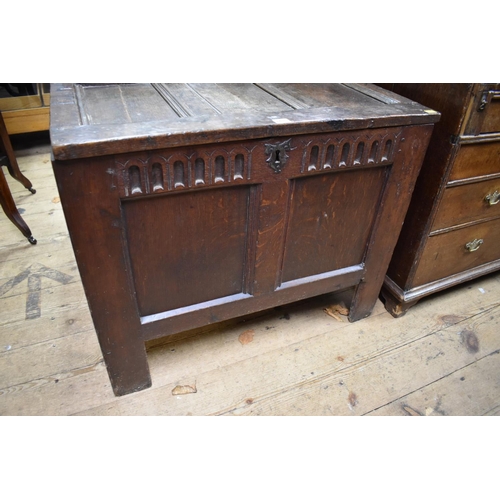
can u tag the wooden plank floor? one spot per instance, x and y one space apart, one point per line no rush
442 358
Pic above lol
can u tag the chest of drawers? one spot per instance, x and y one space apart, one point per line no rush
189 204
452 229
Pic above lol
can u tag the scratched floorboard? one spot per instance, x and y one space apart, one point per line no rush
442 358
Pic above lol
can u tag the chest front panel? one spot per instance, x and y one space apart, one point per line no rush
219 223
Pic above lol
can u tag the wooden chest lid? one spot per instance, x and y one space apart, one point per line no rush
98 119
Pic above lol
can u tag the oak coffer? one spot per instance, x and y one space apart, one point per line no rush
452 229
189 204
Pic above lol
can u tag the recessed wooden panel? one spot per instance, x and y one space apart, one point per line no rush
187 248
331 217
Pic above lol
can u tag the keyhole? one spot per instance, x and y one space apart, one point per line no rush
277 160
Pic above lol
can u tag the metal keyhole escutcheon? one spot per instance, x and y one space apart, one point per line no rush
277 155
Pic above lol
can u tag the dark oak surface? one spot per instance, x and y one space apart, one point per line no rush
319 241
214 219
190 204
89 120
449 207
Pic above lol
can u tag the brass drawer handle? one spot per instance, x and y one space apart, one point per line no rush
483 102
472 246
492 198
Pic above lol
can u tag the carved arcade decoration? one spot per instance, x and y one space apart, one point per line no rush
161 173
340 151
173 170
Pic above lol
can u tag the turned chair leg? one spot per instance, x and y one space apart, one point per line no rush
10 209
9 158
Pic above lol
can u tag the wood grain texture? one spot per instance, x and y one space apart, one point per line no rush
474 380
484 116
27 120
240 110
445 254
217 222
300 361
474 160
462 161
491 121
339 370
217 219
452 101
390 217
98 244
333 212
467 203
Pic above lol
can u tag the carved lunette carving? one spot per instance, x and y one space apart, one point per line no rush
348 151
162 173
177 170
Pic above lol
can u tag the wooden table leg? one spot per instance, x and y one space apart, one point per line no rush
103 264
11 163
413 145
10 209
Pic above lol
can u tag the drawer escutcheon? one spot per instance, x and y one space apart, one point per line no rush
472 246
492 198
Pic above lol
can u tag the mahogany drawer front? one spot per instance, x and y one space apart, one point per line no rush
491 122
446 254
485 115
475 160
468 203
485 119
